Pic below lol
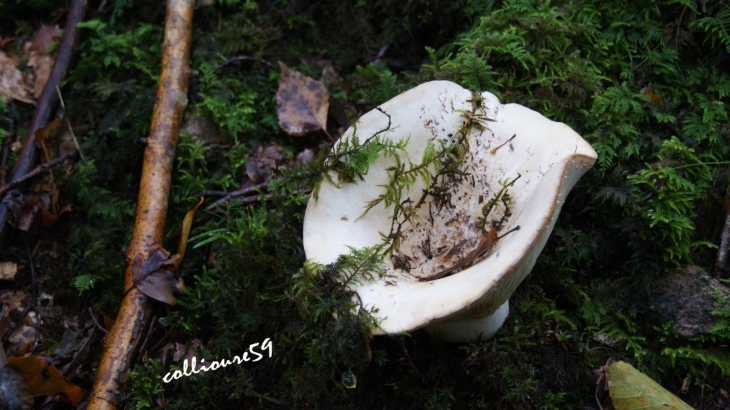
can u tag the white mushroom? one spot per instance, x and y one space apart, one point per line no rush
544 159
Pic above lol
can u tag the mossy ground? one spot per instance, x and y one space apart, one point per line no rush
652 201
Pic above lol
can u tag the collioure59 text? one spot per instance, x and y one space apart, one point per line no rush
215 365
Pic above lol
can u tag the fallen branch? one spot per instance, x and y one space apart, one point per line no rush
47 100
135 312
721 260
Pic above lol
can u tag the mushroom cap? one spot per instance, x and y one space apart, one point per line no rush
548 156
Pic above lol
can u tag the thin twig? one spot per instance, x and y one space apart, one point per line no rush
249 199
154 348
679 24
256 198
44 167
147 337
212 193
96 322
70 129
234 194
240 58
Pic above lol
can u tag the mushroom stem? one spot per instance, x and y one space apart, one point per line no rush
470 331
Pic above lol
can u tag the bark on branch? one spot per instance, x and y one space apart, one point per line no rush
135 311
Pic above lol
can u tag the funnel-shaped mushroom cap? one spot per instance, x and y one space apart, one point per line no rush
548 157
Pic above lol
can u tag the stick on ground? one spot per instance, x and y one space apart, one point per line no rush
135 312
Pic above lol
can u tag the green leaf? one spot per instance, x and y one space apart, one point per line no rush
631 389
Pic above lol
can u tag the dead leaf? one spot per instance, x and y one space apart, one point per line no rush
23 338
42 379
301 103
108 322
185 234
649 93
329 74
259 166
46 138
80 351
42 64
12 83
305 156
45 38
8 270
25 209
178 352
213 256
5 40
156 276
13 300
14 303
632 389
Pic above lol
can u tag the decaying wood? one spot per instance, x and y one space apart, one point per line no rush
721 260
135 312
47 101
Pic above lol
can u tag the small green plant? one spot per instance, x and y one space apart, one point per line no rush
146 385
670 203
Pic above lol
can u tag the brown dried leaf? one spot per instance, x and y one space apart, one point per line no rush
5 40
80 351
108 322
305 156
25 209
42 378
13 300
12 83
259 166
301 103
156 276
185 234
45 38
23 338
47 139
650 93
42 66
8 270
329 73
